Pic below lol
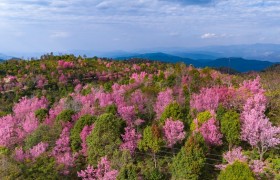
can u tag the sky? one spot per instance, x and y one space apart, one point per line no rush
108 25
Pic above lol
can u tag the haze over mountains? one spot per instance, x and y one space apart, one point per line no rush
243 58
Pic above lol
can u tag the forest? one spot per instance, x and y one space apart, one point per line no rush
68 117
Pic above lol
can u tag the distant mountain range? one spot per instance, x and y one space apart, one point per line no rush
264 52
236 63
243 58
4 57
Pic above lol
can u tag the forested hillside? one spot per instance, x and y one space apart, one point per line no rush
67 117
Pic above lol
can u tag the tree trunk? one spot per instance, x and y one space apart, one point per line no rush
155 159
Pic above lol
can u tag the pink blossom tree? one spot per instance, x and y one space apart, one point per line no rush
257 166
164 98
256 128
62 150
173 132
139 100
8 134
130 138
211 132
83 135
19 154
103 171
37 150
128 114
232 156
25 106
209 98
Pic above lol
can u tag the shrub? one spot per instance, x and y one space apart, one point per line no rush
41 114
104 138
112 109
230 127
189 162
201 118
128 172
77 129
65 116
43 168
174 111
236 171
42 134
154 174
9 168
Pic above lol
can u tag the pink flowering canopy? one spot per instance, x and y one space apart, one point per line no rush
83 135
103 171
130 139
256 128
232 156
164 98
209 98
62 151
211 132
173 132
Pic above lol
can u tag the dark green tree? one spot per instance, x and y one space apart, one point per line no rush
41 114
236 171
77 129
151 141
230 127
189 162
105 137
174 111
65 116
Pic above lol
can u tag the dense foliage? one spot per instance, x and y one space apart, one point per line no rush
67 117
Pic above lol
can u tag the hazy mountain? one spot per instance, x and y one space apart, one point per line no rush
266 52
238 64
163 58
5 57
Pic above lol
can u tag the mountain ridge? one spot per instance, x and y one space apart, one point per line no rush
236 63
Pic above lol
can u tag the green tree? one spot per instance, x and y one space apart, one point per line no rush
151 141
236 171
172 110
43 168
230 127
189 162
65 116
105 137
201 118
43 133
41 114
77 129
128 171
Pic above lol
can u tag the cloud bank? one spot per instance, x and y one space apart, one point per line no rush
49 25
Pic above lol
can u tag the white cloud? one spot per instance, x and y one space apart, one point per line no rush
208 36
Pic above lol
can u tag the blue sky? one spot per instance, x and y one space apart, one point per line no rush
107 25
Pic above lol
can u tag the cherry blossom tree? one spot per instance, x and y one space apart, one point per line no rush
209 98
103 171
62 150
83 135
8 134
211 133
232 156
256 128
139 100
164 98
173 132
130 138
37 150
128 114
